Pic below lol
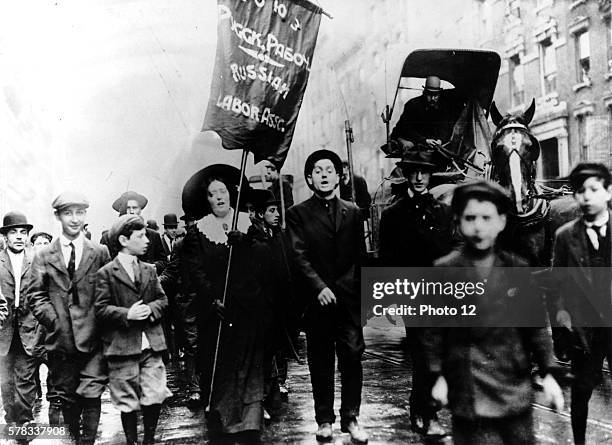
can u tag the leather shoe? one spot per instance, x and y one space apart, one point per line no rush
358 435
324 433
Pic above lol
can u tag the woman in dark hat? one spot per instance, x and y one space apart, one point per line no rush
237 392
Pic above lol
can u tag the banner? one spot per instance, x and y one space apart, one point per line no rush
264 56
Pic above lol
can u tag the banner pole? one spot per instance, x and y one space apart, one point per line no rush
282 198
349 150
245 154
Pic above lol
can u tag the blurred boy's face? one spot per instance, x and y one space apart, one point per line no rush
72 219
271 216
593 197
324 177
480 224
136 244
418 179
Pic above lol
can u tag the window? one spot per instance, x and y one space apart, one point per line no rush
583 54
517 80
550 158
548 66
514 8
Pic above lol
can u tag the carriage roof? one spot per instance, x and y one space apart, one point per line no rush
472 72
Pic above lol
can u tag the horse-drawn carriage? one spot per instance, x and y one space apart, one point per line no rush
506 155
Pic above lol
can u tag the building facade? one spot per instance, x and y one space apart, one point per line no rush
558 53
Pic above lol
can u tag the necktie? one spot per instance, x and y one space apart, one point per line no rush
595 235
136 268
71 268
330 213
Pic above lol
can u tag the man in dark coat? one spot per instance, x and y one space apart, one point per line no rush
581 265
428 119
415 231
362 196
20 333
132 203
176 282
62 297
327 241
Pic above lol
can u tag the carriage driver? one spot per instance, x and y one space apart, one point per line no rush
427 119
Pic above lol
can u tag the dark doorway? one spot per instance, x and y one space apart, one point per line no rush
550 158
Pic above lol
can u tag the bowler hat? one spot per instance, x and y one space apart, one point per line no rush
120 204
432 84
316 156
481 191
13 220
170 220
419 158
261 199
194 197
70 198
152 224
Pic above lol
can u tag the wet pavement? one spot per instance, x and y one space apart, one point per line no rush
384 412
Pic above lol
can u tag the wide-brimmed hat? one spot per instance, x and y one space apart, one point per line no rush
316 156
14 220
432 84
418 158
194 196
261 199
120 204
170 220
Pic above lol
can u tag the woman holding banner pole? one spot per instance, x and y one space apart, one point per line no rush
229 300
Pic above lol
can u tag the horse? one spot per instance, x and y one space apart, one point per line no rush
538 211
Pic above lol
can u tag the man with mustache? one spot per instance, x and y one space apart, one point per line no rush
19 334
427 119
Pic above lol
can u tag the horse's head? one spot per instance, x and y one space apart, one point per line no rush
514 152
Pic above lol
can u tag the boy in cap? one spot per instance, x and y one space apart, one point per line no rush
326 235
62 297
132 203
482 371
581 264
19 336
415 231
130 303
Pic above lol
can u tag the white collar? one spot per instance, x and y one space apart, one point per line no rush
212 227
64 241
126 257
411 192
600 222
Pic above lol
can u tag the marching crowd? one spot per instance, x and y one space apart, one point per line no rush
112 314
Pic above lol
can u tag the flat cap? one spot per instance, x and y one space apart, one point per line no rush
119 225
585 170
481 191
70 198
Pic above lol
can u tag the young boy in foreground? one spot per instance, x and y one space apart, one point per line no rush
484 372
129 305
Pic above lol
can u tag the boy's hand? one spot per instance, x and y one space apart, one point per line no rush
139 311
439 392
326 296
564 319
553 395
